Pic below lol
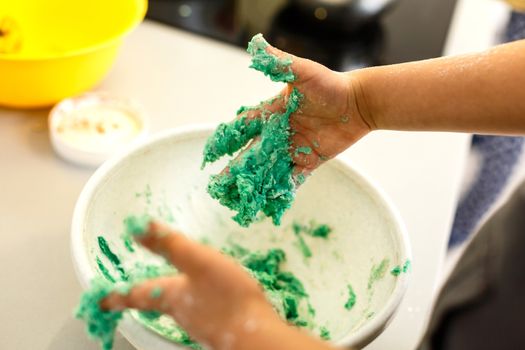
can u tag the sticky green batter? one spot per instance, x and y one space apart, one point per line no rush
303 247
100 324
284 290
104 270
301 178
312 229
260 179
377 272
397 270
303 149
136 225
352 298
112 257
278 69
324 333
228 138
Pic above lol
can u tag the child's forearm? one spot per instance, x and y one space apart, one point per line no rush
483 93
277 336
260 328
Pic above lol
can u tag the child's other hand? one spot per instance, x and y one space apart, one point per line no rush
212 298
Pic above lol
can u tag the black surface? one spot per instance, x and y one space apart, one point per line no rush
409 30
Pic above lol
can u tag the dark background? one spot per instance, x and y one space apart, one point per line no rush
408 30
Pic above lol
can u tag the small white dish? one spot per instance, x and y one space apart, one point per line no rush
163 177
89 128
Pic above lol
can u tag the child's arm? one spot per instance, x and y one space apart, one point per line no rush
483 93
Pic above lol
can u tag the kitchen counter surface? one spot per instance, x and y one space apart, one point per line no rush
180 79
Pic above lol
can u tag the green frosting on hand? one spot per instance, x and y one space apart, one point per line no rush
136 225
100 324
228 138
304 149
377 272
278 69
261 178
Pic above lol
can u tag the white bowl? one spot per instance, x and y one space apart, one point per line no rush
163 176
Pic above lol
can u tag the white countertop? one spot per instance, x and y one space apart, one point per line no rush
182 78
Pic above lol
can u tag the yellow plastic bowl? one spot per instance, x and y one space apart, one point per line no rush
52 49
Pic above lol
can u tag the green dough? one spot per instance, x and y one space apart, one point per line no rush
351 298
324 333
100 324
112 257
300 179
278 69
313 229
261 178
104 270
377 272
397 270
136 225
321 231
283 289
304 149
228 138
407 266
305 249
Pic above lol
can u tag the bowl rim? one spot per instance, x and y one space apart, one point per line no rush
84 273
142 9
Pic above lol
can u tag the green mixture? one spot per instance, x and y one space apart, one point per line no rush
324 333
314 230
100 324
351 298
377 272
283 289
260 179
278 69
397 270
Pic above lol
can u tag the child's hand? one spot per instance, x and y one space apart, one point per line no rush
328 119
213 298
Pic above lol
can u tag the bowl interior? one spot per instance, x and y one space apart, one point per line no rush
163 178
55 27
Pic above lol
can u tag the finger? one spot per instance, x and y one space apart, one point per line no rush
160 294
301 68
230 137
186 255
263 110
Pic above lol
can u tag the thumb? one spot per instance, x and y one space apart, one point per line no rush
278 65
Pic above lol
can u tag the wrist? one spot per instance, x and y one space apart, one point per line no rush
358 101
248 327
